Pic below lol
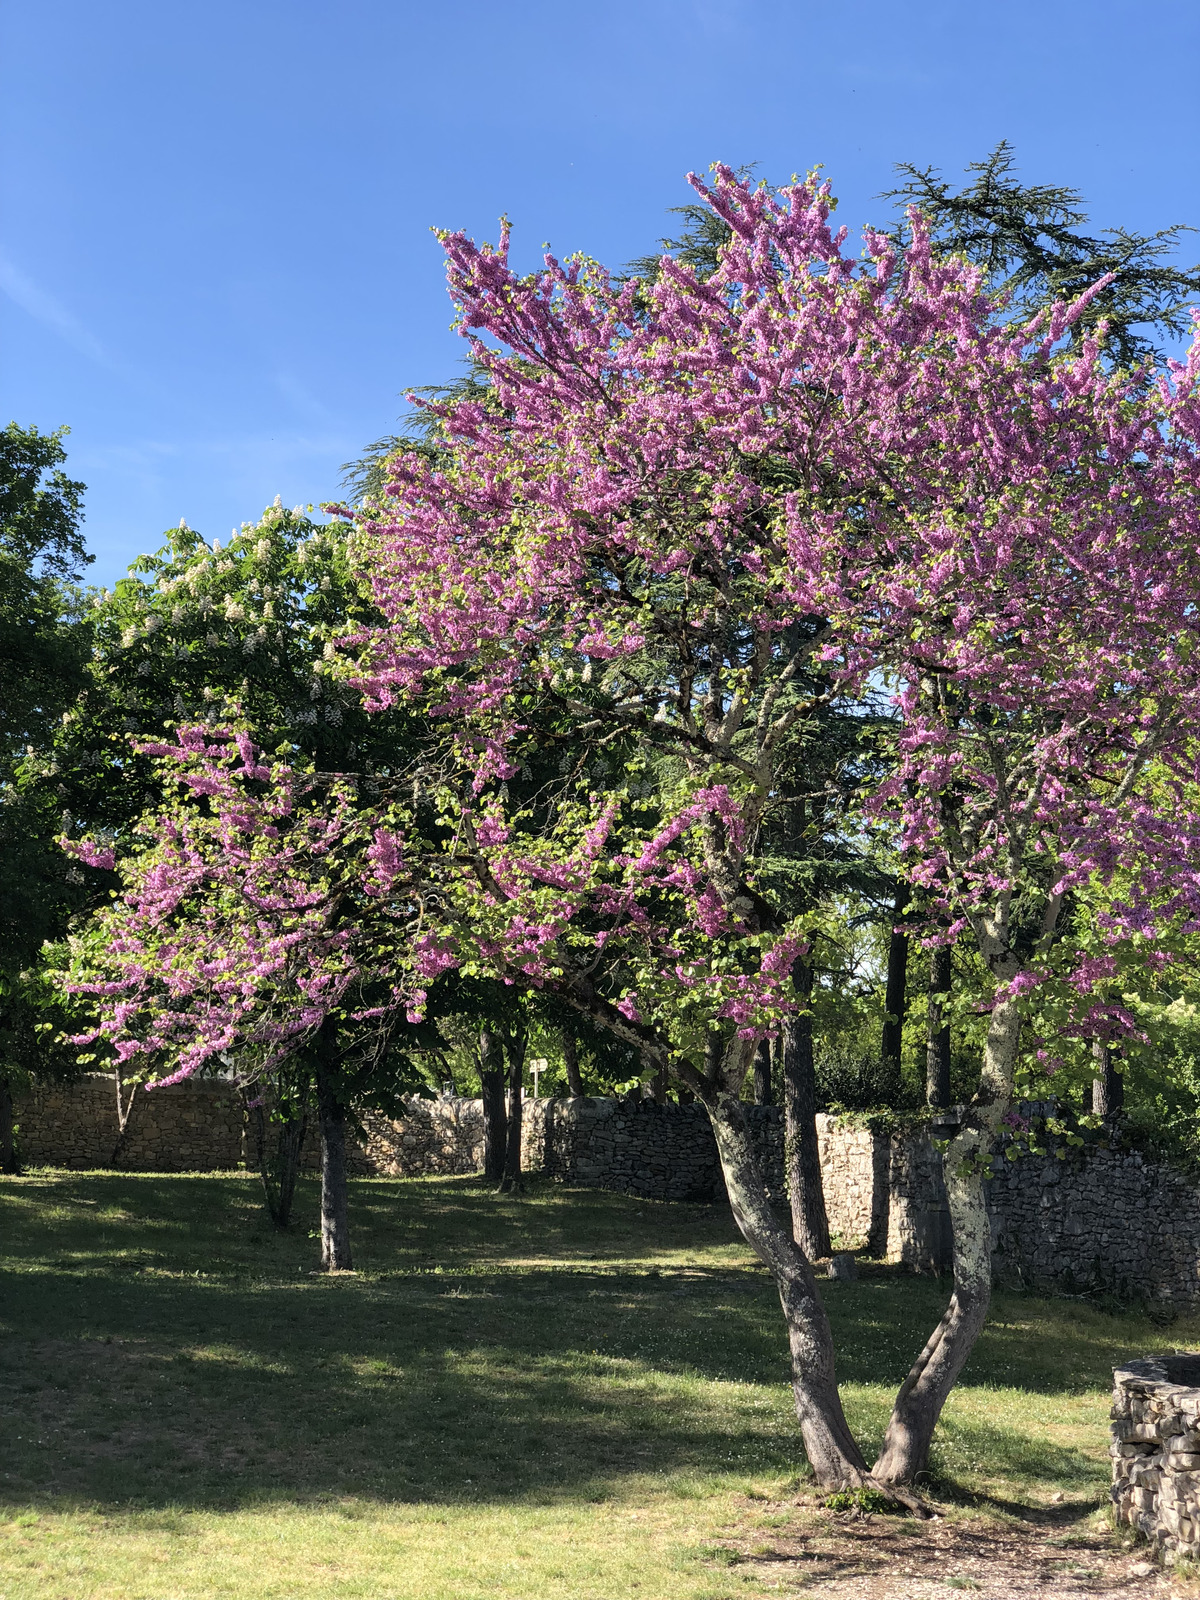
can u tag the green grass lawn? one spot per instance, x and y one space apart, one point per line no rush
568 1394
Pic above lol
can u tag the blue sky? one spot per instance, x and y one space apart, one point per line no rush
216 263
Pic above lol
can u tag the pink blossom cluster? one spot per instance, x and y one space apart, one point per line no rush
251 910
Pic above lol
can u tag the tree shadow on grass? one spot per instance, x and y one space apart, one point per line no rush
210 1394
161 1347
408 1393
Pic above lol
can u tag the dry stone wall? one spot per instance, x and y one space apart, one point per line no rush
1098 1220
639 1147
434 1138
190 1127
854 1169
1104 1220
1156 1452
201 1126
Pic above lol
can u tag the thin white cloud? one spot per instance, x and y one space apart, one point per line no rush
51 313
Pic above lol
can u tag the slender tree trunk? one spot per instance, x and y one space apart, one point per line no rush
830 1446
937 1047
290 1148
8 1146
896 994
571 1062
658 1087
124 1112
1108 1086
279 1168
491 1082
513 1181
802 1153
335 1218
919 1404
762 1074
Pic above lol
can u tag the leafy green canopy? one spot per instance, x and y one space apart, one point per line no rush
43 650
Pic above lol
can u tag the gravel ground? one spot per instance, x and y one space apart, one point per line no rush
846 1557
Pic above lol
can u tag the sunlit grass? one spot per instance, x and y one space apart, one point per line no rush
568 1394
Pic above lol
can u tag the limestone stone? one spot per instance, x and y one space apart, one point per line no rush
1157 1489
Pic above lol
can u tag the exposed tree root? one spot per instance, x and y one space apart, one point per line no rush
901 1495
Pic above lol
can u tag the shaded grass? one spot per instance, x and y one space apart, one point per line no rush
595 1381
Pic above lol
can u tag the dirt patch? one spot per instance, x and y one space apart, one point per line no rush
857 1557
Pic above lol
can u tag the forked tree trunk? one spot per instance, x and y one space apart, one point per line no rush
513 1181
919 1404
937 1044
8 1144
571 1062
832 1451
335 1209
124 1112
491 1085
802 1152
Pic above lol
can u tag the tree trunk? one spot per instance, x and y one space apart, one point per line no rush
1108 1086
937 1047
491 1082
335 1219
280 1168
513 1181
8 1144
919 1404
571 1062
762 1074
658 1087
896 994
831 1449
124 1112
802 1153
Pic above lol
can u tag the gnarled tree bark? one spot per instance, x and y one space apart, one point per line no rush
924 1392
831 1448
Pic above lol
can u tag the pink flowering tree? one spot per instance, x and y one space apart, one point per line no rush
1047 787
692 516
254 925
